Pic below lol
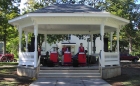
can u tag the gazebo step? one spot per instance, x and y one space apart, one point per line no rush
70 68
70 73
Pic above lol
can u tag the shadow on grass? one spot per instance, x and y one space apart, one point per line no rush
8 63
133 81
117 80
9 77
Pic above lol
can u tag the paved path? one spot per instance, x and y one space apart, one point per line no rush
69 82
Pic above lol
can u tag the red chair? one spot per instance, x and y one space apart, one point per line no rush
82 58
67 58
54 56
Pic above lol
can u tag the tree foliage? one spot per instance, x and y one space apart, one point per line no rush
124 9
8 10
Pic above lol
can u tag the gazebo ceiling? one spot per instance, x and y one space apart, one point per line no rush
69 29
68 19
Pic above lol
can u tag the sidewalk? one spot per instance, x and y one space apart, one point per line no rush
69 82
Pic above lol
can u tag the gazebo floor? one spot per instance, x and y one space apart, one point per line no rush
70 67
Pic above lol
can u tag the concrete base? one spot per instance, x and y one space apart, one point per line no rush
28 71
109 72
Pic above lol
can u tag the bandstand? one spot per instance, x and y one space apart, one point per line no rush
70 19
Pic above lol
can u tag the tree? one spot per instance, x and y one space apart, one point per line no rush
123 8
9 10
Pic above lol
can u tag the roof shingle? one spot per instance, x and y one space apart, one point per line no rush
67 8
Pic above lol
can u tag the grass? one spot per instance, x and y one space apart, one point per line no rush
8 76
133 81
8 63
5 83
7 70
4 71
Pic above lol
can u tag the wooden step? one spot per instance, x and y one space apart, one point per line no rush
69 68
69 73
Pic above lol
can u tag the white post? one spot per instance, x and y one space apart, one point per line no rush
118 31
118 48
102 45
91 38
111 35
45 39
26 39
36 51
20 37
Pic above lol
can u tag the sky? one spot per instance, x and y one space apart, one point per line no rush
138 2
22 4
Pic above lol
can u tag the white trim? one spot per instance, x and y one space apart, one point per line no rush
119 18
93 14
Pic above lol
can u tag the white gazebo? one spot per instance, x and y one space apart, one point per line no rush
68 19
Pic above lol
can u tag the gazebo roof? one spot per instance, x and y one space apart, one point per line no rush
68 19
67 8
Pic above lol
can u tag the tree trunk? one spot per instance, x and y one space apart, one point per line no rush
4 49
130 45
4 40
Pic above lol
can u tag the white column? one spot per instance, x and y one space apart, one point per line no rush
102 45
36 51
91 38
118 48
26 39
45 39
111 35
20 37
118 31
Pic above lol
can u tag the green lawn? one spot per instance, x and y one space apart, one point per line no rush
9 77
133 81
8 63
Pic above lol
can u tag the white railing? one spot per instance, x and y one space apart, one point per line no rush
26 58
111 58
99 60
